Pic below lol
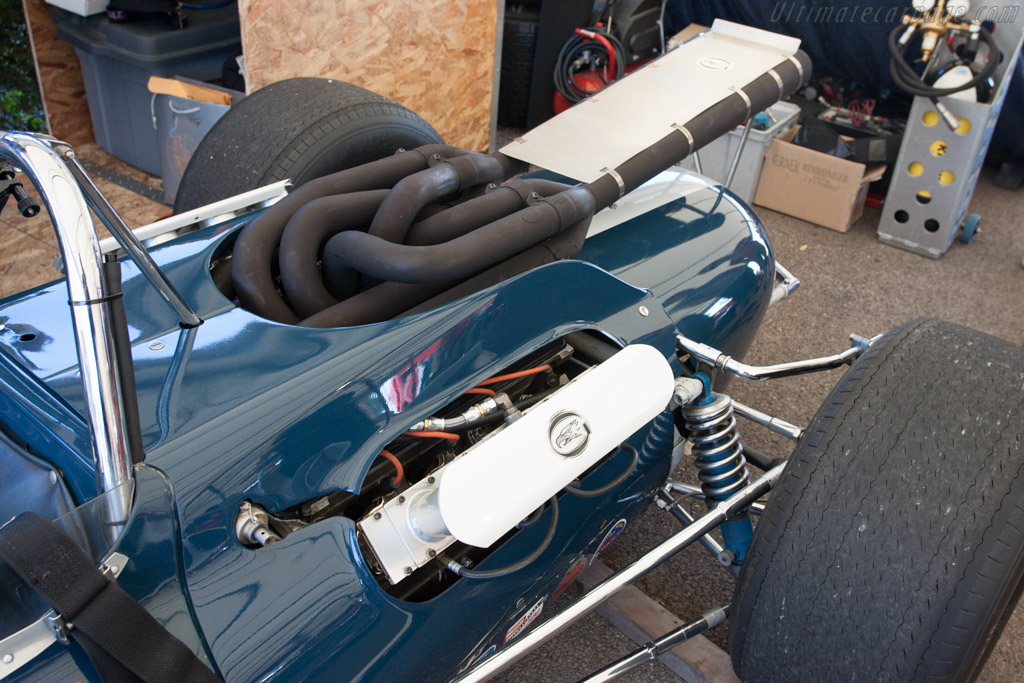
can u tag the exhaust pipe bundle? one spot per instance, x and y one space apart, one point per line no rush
373 242
423 227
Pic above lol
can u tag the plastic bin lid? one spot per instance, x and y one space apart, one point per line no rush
151 43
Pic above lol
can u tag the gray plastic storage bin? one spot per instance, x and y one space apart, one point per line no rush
181 124
118 59
716 156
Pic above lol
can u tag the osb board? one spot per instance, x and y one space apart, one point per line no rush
28 246
24 260
60 77
435 57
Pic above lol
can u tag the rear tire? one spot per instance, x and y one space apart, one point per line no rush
894 545
300 128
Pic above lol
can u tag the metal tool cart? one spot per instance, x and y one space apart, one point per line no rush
951 121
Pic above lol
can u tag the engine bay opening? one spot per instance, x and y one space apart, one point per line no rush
407 468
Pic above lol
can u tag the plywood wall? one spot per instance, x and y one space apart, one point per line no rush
435 57
60 78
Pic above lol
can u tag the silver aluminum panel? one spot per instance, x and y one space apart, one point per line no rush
637 111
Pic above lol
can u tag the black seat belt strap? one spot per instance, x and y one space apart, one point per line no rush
123 640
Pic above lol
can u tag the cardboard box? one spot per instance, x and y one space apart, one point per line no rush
691 31
817 187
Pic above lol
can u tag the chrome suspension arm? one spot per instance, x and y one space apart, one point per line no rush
90 314
786 287
716 359
625 576
653 650
777 425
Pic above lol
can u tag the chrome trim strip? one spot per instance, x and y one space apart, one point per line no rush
20 648
224 209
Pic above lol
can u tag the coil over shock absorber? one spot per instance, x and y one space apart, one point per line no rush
718 453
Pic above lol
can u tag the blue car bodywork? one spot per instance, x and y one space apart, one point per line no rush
241 408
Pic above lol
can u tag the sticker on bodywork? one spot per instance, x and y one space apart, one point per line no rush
485 654
479 658
612 534
525 620
575 569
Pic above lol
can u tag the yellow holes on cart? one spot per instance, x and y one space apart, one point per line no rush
947 177
938 148
915 169
964 128
930 118
923 197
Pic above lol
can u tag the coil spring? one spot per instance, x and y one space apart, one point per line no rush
717 450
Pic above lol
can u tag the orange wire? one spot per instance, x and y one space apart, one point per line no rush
435 435
515 375
399 472
482 391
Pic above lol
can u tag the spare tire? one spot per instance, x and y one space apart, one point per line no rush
893 547
300 128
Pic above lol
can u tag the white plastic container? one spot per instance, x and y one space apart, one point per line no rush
716 157
83 8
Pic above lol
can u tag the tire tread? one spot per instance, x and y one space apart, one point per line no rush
291 129
858 548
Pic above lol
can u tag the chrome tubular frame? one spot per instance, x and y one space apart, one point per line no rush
90 315
651 651
735 163
786 287
716 359
777 425
665 501
625 576
691 491
128 241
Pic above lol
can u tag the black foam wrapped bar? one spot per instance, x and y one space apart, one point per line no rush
706 127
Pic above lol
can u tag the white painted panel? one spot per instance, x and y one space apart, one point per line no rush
502 479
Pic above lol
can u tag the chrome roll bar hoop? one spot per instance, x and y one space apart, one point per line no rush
88 293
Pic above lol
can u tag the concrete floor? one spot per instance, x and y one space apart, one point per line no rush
851 283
